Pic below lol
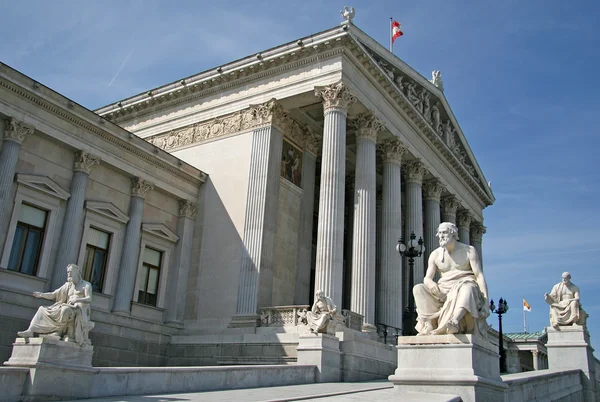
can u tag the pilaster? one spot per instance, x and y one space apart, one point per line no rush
363 250
330 245
72 227
131 246
389 282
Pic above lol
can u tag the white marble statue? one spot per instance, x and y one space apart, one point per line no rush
436 119
458 302
69 317
413 97
436 79
347 13
323 310
565 308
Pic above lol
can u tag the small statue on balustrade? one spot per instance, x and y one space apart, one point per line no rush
565 307
323 310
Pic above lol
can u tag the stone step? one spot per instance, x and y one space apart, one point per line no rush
251 360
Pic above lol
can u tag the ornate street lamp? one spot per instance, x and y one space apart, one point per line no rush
411 251
502 309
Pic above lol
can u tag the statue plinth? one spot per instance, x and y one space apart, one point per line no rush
461 364
28 352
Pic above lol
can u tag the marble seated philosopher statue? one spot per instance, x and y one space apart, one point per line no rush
458 302
68 318
323 310
565 308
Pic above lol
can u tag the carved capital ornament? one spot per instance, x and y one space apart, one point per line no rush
464 218
187 209
477 231
367 126
414 171
84 162
335 96
449 204
140 187
392 150
16 131
432 189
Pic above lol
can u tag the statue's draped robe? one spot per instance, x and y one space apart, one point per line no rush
59 316
319 315
459 289
564 309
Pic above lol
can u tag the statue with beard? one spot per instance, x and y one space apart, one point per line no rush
458 302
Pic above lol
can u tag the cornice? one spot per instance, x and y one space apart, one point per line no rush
84 124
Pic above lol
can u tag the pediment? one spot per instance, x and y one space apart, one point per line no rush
108 210
160 230
43 184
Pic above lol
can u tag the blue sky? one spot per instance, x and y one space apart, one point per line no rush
520 76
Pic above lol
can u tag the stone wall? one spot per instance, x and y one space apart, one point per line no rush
544 385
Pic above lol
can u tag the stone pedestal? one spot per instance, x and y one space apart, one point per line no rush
323 351
29 352
569 348
463 365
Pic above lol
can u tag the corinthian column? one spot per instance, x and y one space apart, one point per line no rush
476 235
363 248
307 204
255 285
330 238
414 171
449 204
389 282
432 191
464 225
14 135
180 267
131 246
72 227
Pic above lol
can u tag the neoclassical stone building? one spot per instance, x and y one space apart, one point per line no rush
305 162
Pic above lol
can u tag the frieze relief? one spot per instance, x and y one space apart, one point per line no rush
430 109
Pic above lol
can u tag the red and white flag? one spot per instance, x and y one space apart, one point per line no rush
396 32
526 306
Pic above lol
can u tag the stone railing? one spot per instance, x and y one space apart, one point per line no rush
544 385
281 316
353 320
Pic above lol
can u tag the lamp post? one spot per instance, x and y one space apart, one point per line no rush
502 309
415 249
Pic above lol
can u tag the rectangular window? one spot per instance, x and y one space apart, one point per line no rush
151 265
96 255
27 243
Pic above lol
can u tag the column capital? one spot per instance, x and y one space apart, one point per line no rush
312 140
16 131
367 126
271 113
140 187
84 162
432 189
414 171
477 231
449 204
187 209
335 96
464 217
392 150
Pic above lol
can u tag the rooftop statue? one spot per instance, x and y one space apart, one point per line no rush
323 310
348 13
68 318
436 79
565 308
458 302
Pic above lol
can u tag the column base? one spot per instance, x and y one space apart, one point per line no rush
29 352
244 321
323 351
463 365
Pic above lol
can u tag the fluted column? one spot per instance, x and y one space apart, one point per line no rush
180 267
330 240
14 135
389 283
449 204
432 191
414 172
304 256
363 249
131 246
535 354
476 237
463 218
255 284
72 227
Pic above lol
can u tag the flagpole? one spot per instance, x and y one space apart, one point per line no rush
391 33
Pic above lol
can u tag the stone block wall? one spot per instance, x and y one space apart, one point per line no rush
212 354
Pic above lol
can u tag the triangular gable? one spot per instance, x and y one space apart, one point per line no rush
415 88
43 184
160 230
107 209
